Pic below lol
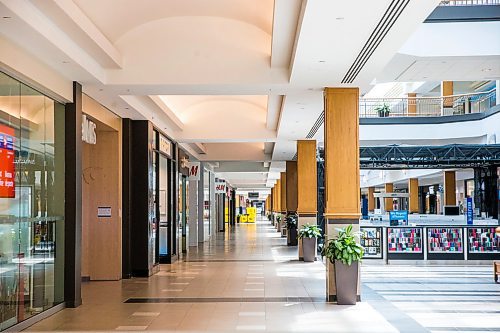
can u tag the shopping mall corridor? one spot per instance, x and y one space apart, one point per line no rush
248 280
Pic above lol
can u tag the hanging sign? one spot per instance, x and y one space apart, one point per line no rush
165 146
220 186
194 170
88 131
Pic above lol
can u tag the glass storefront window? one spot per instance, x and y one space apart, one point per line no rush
31 202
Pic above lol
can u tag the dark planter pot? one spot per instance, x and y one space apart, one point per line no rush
346 280
291 237
309 249
238 219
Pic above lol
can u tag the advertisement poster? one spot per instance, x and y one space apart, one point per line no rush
470 211
7 166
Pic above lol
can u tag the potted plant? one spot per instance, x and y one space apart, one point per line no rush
291 226
278 222
309 234
383 110
345 253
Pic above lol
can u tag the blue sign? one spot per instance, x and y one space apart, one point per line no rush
398 217
470 211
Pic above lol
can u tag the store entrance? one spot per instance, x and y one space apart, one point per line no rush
166 191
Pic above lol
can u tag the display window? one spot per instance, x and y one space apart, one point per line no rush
31 202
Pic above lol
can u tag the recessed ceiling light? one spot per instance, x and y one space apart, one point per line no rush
101 89
126 108
302 108
65 62
6 17
340 18
424 77
321 61
486 70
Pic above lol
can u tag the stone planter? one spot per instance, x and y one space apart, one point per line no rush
284 231
346 280
309 249
291 237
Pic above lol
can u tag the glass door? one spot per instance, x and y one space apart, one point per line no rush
162 209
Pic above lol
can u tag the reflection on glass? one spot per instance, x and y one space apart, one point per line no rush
31 202
163 204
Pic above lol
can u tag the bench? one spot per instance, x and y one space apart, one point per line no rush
496 270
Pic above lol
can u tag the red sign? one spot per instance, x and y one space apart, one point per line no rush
7 166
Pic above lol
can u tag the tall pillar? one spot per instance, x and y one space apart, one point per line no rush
278 196
447 90
413 204
389 188
193 213
283 193
341 167
412 104
450 197
273 198
371 199
307 185
291 186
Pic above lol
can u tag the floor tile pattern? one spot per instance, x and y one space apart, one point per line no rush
248 280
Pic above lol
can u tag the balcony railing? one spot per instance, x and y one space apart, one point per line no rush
469 2
427 106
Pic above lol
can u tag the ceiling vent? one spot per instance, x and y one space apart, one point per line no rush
385 24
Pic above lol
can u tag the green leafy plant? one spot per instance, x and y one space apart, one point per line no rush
383 110
291 222
344 247
279 218
309 231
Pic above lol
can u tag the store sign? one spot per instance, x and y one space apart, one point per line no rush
7 165
194 170
220 186
470 211
398 217
88 131
165 146
103 211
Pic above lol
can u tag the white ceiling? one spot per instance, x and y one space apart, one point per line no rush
231 80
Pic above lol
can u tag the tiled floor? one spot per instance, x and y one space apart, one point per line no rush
248 280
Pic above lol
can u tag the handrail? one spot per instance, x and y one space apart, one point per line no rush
428 106
458 3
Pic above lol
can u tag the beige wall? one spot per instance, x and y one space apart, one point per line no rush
101 187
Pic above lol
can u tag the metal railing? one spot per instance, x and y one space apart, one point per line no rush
469 2
427 106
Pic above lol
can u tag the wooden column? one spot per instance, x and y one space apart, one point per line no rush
447 90
450 198
283 193
341 167
291 186
389 188
412 104
371 199
278 196
273 199
413 202
307 185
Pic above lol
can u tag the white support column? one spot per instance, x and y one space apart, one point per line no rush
193 213
201 182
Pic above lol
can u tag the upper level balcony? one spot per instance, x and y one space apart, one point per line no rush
453 105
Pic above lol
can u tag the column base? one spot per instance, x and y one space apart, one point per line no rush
333 298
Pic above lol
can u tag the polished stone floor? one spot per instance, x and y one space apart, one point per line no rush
248 280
